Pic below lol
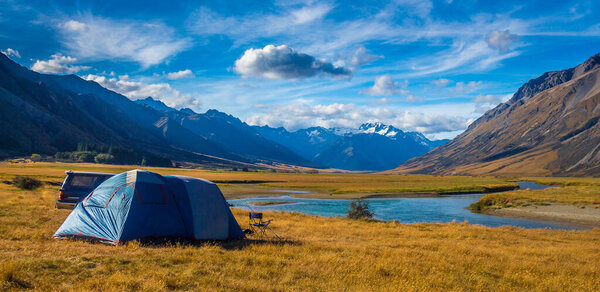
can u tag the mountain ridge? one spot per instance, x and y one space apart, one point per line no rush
549 127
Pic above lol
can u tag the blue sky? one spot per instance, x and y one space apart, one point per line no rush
429 66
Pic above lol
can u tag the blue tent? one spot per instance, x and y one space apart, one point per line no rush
141 204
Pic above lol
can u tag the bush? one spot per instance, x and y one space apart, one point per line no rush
359 209
26 183
35 157
104 158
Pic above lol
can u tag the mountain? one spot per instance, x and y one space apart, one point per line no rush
549 127
42 113
45 114
397 134
306 142
236 137
155 104
369 152
373 146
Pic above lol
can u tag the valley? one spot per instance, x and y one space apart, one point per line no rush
368 255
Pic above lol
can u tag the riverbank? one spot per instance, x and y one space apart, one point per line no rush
579 217
269 203
577 205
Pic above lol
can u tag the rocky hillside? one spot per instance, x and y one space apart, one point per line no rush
549 127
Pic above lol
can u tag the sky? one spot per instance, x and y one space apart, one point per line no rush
420 65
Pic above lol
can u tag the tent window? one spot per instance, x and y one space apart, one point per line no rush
101 196
150 193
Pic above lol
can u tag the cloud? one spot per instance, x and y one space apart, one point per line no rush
309 14
137 90
362 57
384 100
441 82
462 87
303 115
97 38
484 103
73 26
187 73
384 86
500 39
413 98
58 64
10 52
420 8
250 27
283 62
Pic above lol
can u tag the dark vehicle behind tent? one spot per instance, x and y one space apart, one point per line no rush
77 185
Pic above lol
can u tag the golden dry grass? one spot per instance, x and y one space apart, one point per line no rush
318 254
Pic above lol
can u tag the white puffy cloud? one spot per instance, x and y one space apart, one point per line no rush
362 57
137 90
462 87
283 62
442 82
98 38
10 52
58 64
384 86
500 39
187 73
296 116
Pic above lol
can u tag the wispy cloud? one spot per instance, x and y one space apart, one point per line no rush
97 38
136 90
58 64
302 115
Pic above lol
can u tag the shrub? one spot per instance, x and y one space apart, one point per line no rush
104 158
26 183
36 157
359 209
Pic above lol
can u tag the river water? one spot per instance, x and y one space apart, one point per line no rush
405 210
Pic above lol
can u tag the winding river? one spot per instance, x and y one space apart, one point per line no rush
405 210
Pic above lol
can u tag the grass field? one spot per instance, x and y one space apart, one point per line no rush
317 254
237 184
582 192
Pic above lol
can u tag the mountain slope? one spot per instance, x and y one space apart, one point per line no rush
549 127
369 152
373 146
48 113
306 142
236 136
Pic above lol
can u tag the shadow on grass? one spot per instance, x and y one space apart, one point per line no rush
237 244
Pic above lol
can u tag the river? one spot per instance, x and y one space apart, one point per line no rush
406 210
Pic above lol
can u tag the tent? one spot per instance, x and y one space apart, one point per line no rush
140 204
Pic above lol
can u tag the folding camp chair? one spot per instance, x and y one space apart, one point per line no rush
257 225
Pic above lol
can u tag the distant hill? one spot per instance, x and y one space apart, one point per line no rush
373 146
549 127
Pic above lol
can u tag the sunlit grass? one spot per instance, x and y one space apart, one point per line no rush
575 195
318 254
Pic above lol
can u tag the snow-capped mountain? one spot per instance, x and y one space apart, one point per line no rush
371 146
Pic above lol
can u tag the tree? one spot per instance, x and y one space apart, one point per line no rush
35 157
104 158
359 209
